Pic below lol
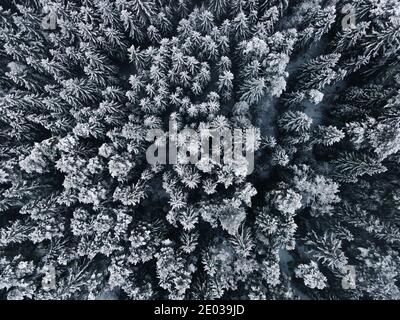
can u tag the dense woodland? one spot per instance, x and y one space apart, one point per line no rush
76 191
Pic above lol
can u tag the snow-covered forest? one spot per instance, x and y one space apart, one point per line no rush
83 215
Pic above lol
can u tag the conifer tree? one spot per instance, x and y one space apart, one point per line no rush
83 83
